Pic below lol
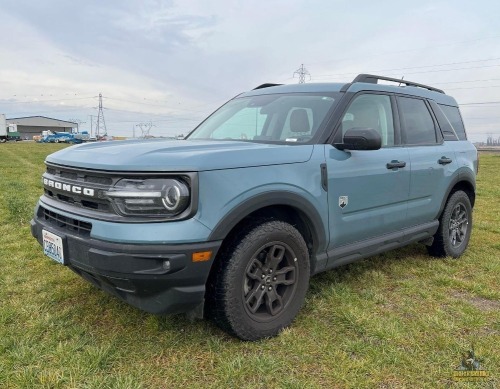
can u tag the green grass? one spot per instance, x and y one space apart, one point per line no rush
401 319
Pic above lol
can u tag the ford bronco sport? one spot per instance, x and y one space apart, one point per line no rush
280 183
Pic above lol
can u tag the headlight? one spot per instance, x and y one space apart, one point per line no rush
152 197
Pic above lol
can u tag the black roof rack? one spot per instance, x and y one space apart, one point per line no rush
372 79
267 85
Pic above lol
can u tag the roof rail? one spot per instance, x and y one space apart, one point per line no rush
267 85
372 79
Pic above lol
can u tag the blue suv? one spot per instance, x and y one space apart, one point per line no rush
280 183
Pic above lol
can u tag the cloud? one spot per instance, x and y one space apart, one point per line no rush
191 54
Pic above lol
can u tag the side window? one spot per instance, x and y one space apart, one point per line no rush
417 121
371 111
453 115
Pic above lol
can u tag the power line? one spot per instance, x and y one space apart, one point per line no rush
422 67
145 113
481 103
451 70
364 56
421 72
78 123
45 101
475 87
135 102
461 81
67 109
156 105
171 120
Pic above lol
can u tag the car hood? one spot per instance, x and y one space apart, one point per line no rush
178 155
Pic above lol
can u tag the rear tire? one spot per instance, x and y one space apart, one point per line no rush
455 226
260 281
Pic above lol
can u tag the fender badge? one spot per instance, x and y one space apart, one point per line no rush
343 201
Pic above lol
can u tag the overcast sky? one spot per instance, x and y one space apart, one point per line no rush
174 62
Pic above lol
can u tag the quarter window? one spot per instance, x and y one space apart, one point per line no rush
453 115
417 121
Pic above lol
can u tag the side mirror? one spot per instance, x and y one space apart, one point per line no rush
360 139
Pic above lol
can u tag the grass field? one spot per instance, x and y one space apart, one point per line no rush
397 320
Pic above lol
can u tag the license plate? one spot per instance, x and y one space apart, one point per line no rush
53 246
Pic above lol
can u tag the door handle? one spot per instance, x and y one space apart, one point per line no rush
444 161
395 164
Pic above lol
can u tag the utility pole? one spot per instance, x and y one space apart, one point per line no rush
91 124
302 72
101 124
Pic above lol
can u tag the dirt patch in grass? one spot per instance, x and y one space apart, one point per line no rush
480 303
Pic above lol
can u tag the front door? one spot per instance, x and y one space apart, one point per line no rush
368 190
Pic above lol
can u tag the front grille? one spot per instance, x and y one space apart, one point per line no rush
99 182
84 191
70 176
79 201
57 220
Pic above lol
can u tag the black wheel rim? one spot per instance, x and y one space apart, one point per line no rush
459 223
270 281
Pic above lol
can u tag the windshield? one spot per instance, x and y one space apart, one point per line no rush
293 118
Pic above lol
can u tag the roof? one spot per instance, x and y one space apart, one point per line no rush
40 121
412 89
296 88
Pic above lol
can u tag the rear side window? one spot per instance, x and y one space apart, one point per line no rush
417 121
453 115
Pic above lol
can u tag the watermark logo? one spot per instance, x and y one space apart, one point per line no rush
470 368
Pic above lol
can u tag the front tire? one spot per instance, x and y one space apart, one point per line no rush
261 281
455 226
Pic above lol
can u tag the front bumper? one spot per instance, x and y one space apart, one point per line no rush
157 278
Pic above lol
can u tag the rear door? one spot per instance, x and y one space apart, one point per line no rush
368 190
433 161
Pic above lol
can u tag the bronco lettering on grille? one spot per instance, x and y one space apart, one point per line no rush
68 188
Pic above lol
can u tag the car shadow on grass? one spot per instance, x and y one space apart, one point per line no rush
179 328
350 274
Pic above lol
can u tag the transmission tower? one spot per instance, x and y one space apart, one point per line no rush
145 128
302 72
100 128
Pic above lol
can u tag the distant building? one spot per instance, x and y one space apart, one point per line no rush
34 125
